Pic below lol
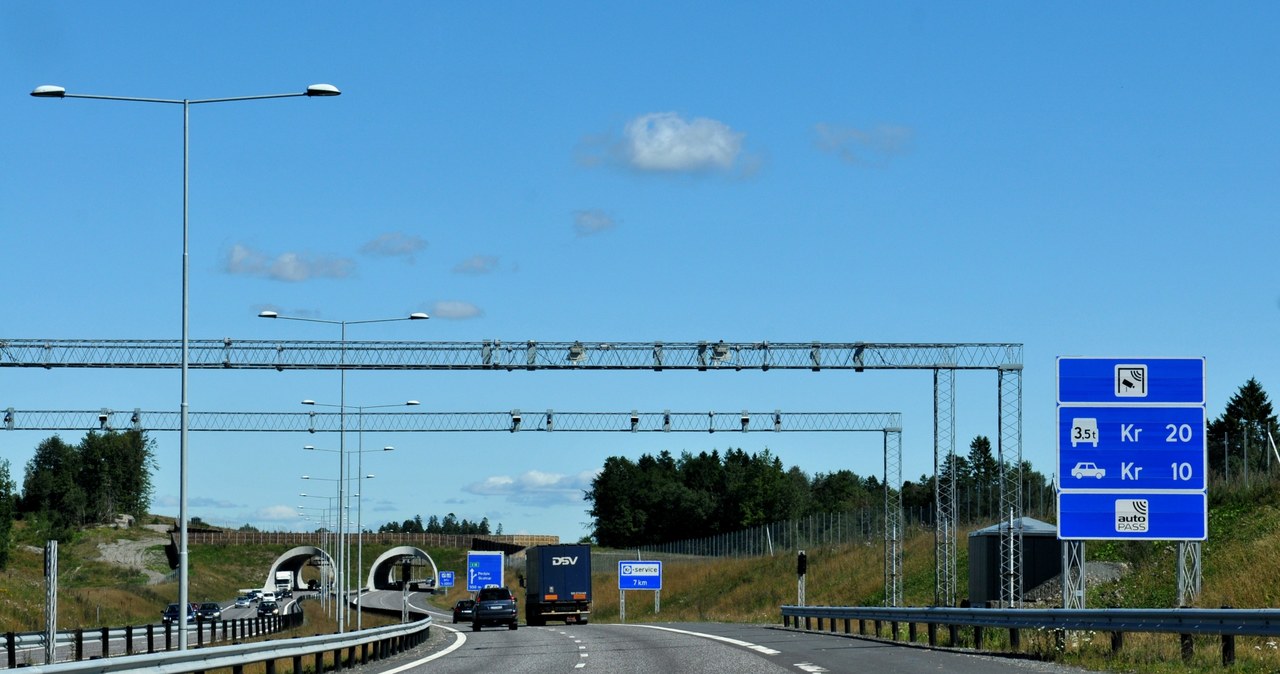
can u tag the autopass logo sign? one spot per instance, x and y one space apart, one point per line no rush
1131 515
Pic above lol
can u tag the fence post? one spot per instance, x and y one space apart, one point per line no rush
1188 647
1117 642
128 639
12 649
79 644
151 638
106 644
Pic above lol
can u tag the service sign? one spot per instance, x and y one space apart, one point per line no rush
638 575
446 579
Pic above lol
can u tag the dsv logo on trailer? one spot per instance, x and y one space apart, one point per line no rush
564 561
1131 515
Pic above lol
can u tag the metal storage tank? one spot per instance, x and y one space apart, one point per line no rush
1041 558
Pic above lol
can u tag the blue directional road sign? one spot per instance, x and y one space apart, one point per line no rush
1132 453
484 569
1131 448
635 575
1155 516
446 579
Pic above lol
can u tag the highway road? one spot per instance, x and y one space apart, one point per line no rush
677 647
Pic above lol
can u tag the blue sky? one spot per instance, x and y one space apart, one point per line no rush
1081 178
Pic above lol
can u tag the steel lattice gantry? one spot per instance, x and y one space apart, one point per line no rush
496 355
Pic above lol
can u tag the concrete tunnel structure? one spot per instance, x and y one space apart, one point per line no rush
292 562
383 575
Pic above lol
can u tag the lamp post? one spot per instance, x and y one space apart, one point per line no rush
342 415
360 452
52 91
343 508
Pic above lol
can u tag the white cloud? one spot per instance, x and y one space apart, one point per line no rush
665 142
292 267
276 513
477 264
592 221
455 310
395 244
535 488
873 147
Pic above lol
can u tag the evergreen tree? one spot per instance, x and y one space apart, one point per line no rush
50 492
1247 423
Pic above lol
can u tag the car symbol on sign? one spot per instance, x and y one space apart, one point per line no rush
1084 430
1087 469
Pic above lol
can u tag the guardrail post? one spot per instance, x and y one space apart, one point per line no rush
977 637
151 638
270 666
79 644
1117 642
319 662
847 625
932 630
1228 650
12 649
1188 647
911 632
364 654
237 669
337 660
875 626
297 664
199 633
128 639
953 634
808 622
106 644
1060 641
1015 639
168 636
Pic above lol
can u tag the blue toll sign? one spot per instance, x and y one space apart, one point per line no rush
446 579
1132 452
1133 448
1156 516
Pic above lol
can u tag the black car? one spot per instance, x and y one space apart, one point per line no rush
171 614
268 608
209 610
463 611
494 606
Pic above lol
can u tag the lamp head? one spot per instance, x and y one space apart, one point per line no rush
418 316
268 314
323 90
388 448
308 402
411 402
49 91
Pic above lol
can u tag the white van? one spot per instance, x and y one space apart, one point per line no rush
268 595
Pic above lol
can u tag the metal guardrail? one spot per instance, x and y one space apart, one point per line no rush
27 648
1185 622
347 650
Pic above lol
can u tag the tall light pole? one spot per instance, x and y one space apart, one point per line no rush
342 416
360 452
346 510
315 90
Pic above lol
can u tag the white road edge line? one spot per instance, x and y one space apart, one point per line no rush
736 642
462 639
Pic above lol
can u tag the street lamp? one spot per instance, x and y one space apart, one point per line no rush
360 452
342 414
313 91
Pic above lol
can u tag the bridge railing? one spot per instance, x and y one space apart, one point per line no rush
1185 622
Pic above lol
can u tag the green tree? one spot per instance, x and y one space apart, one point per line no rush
51 495
8 510
1246 426
984 477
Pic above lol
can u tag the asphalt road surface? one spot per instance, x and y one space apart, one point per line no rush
678 647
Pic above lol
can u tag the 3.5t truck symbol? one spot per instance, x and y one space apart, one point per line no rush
1084 430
